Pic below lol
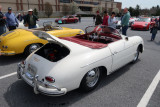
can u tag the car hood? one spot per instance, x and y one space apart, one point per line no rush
140 23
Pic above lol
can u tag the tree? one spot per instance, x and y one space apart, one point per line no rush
74 7
35 12
131 10
116 10
137 10
48 9
65 9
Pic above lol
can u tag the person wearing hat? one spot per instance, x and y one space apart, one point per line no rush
11 20
2 22
30 19
19 17
98 19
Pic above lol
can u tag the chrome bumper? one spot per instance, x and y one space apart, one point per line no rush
7 53
39 86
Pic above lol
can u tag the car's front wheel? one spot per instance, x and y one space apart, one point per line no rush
31 48
136 56
90 80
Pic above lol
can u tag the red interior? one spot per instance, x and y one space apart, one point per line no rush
82 40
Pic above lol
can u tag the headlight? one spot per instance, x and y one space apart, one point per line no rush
146 24
5 47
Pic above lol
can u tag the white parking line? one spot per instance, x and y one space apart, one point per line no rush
147 96
8 75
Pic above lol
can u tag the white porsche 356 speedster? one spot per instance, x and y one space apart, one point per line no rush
68 63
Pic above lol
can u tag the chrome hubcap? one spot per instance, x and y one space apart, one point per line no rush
136 56
33 47
92 77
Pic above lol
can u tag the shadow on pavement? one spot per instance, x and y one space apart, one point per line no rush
20 94
6 60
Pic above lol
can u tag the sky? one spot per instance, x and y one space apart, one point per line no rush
143 3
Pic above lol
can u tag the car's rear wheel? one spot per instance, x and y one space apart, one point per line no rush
75 21
136 56
64 22
31 48
90 80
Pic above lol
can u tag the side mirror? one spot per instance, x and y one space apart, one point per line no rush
126 38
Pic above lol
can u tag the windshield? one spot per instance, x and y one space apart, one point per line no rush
43 35
144 20
102 29
118 18
50 23
64 17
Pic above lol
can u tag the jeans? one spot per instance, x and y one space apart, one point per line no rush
11 27
2 30
124 30
32 26
153 36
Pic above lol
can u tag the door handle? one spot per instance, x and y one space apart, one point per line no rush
115 53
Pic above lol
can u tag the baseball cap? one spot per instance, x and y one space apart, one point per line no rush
30 10
9 8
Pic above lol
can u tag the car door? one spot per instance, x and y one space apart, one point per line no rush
70 19
117 50
130 49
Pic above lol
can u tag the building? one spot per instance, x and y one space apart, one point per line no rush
88 6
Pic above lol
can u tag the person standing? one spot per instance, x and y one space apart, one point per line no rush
98 19
19 17
112 20
79 17
11 20
125 21
105 18
159 23
2 22
154 30
30 19
94 17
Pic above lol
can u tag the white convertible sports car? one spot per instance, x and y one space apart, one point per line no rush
68 63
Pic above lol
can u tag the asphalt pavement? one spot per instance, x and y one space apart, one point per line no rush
124 88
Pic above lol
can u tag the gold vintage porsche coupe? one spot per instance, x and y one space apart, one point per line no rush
24 41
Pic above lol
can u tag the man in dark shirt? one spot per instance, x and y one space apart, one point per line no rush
2 22
98 19
30 19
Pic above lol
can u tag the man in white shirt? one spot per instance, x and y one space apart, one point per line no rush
112 20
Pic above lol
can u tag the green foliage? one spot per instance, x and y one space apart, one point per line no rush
137 11
48 9
35 12
66 9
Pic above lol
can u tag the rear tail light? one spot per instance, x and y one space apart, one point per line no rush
50 79
23 63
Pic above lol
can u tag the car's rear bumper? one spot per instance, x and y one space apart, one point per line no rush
7 53
40 86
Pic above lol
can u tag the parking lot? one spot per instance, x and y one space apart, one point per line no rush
133 85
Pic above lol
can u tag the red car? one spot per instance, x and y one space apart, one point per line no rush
67 19
143 23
